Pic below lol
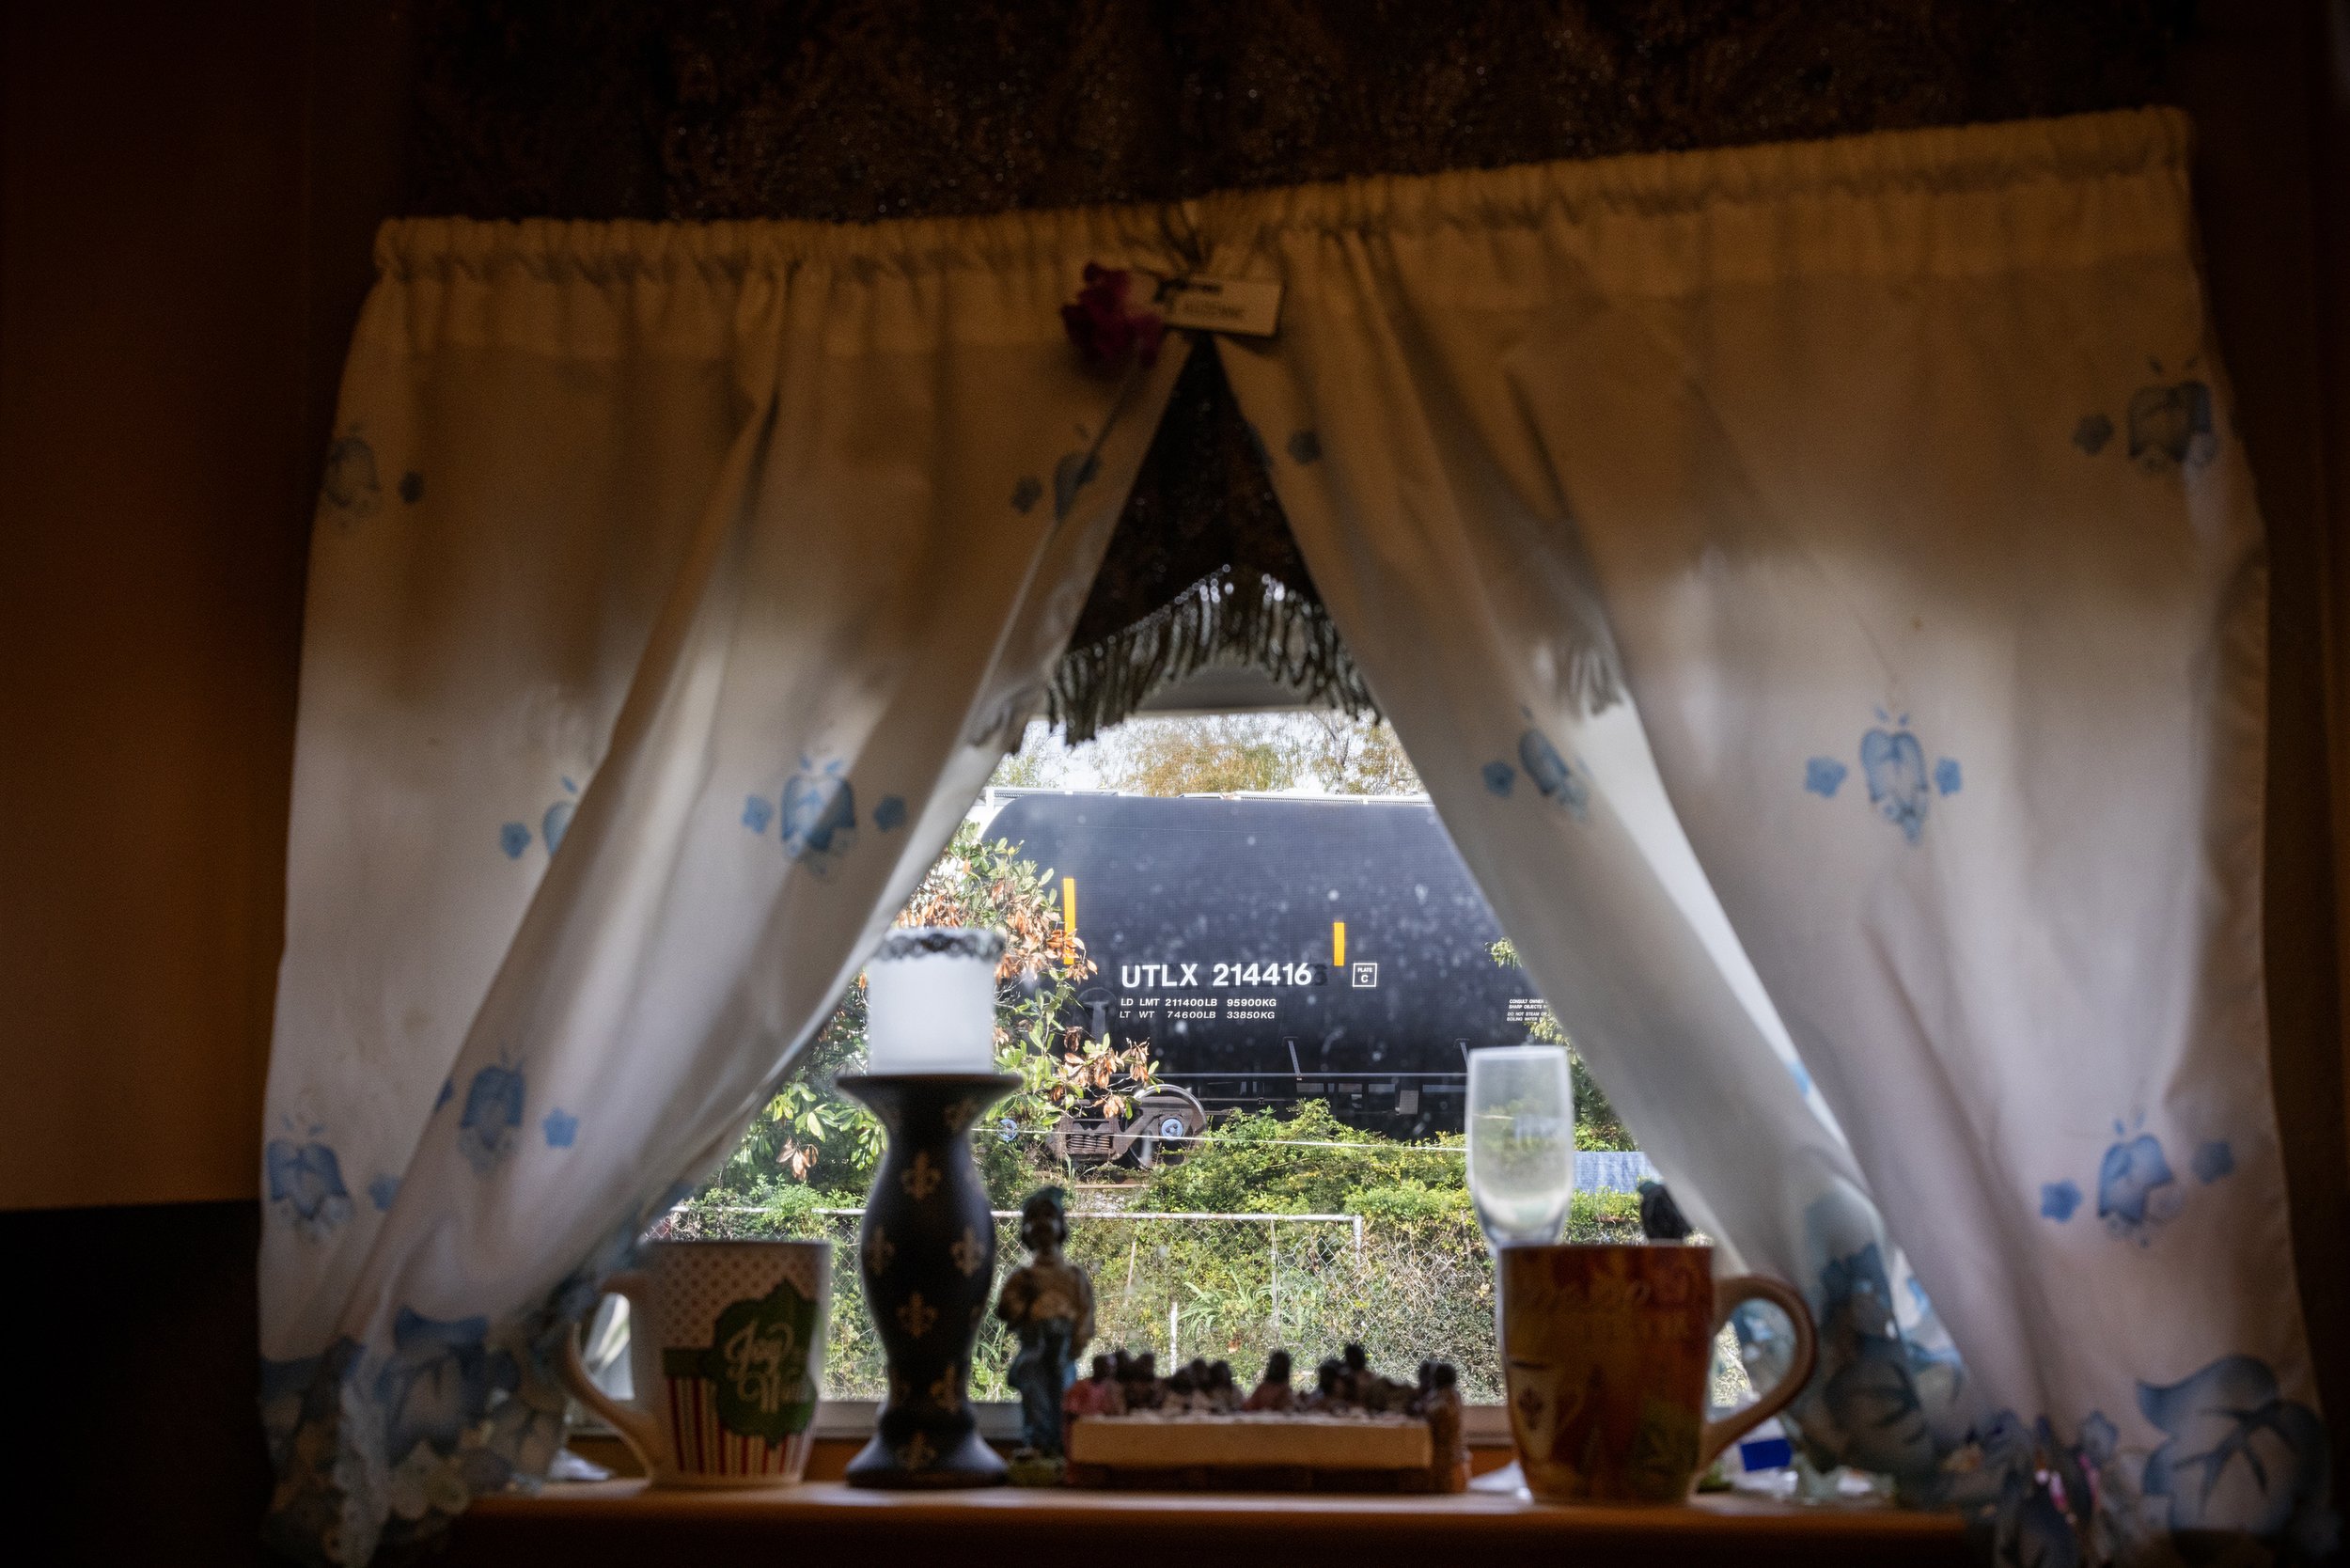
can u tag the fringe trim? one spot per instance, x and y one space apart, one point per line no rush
1233 614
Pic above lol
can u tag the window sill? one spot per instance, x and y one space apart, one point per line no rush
1482 1425
621 1522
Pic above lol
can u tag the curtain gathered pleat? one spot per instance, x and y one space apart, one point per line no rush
1892 481
673 593
1818 585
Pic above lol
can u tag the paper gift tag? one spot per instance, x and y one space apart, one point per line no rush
1250 305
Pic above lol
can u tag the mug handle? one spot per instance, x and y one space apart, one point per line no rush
638 1428
1728 1296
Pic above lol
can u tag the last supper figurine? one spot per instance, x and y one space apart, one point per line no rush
1049 1305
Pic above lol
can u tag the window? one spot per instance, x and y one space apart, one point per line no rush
1252 967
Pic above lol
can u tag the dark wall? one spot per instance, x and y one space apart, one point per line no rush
186 198
132 1333
2265 81
185 205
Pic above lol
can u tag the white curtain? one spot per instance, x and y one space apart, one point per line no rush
1892 479
672 593
1818 585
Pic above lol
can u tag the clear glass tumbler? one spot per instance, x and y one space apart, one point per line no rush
1521 1166
1521 1142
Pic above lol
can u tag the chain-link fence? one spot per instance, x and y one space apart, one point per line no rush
1228 1287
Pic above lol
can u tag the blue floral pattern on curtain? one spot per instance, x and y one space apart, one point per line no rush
1908 908
622 734
1911 1004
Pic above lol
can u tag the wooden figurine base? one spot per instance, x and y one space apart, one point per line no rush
1258 1453
1244 1478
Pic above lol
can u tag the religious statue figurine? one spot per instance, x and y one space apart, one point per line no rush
1098 1395
1328 1394
1273 1391
1049 1305
1141 1381
1198 1396
1440 1406
1223 1393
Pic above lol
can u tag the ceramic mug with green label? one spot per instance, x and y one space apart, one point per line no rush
727 1354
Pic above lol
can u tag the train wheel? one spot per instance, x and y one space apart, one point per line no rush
1164 1126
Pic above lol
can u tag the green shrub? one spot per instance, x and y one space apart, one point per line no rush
779 1208
1411 1201
1603 1216
1261 1164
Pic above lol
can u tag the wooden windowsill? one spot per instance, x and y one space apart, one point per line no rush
621 1522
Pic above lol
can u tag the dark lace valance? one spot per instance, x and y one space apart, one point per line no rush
1201 565
862 109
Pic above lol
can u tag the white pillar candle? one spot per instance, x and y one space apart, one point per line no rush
930 1001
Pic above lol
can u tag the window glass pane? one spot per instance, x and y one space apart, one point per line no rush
1245 971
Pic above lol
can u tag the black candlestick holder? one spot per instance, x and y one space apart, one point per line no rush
926 1251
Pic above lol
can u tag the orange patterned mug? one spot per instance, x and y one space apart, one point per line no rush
1608 1350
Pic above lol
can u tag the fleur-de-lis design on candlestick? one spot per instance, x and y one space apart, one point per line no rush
922 1178
924 1254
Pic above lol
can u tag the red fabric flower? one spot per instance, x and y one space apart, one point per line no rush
1106 332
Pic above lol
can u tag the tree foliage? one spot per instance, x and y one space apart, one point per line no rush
1315 749
1033 767
1350 754
1336 753
1205 756
812 1135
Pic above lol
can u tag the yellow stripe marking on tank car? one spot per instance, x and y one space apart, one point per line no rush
1068 903
1338 944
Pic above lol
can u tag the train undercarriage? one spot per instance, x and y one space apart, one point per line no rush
1167 1123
